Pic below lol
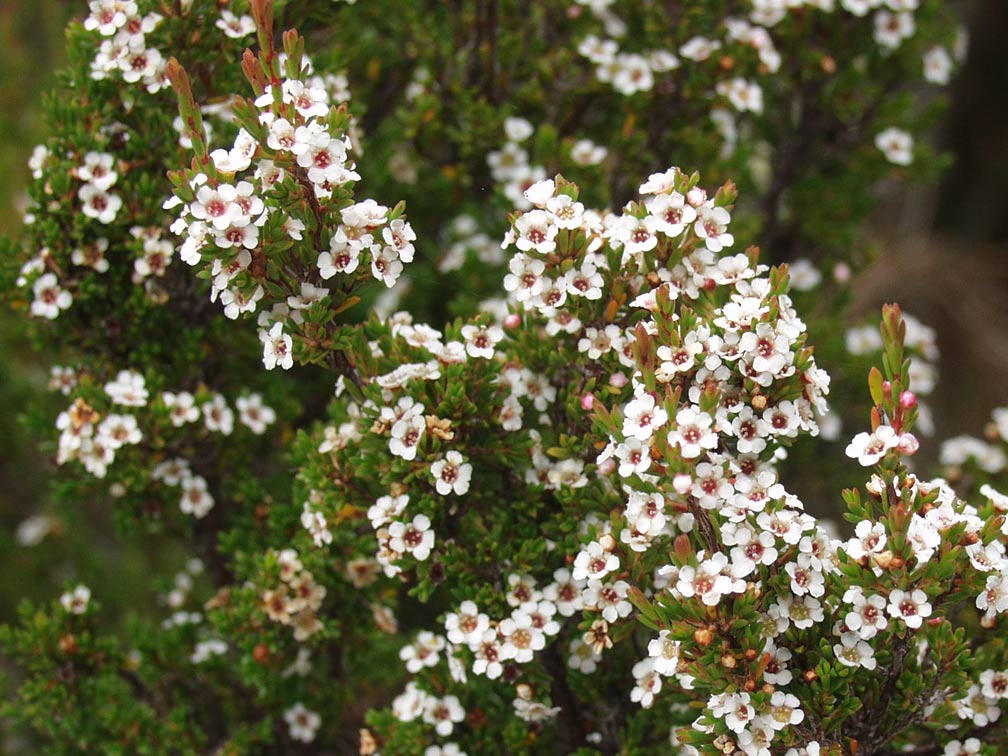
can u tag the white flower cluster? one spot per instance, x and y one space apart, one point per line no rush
297 599
124 52
222 224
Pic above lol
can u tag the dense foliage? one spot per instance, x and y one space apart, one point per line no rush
558 520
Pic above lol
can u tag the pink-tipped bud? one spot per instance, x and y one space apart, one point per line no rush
619 380
682 483
908 399
841 273
696 196
908 444
588 401
886 389
607 467
512 321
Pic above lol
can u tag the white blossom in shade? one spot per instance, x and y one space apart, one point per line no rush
302 723
315 523
277 348
854 651
609 599
77 600
705 581
451 474
171 472
742 94
896 145
480 340
869 448
665 653
910 606
868 613
414 537
520 639
386 509
424 651
923 538
448 749
712 226
443 713
583 657
50 299
536 231
488 654
937 65
969 747
869 538
565 592
182 407
892 28
116 431
128 389
647 682
204 650
735 709
672 214
235 27
525 278
406 434
593 562
253 414
217 416
196 500
599 341
784 710
994 683
693 434
467 625
409 704
98 204
641 416
521 591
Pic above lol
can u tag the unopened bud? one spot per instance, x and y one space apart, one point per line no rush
261 653
682 483
758 402
703 637
728 661
908 399
619 380
696 196
886 389
513 320
607 467
908 444
841 273
68 644
810 675
588 401
607 542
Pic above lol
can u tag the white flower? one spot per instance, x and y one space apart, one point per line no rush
254 414
443 713
853 651
480 340
234 26
869 448
277 348
50 299
196 500
937 65
712 227
641 416
693 433
593 562
217 416
910 606
128 389
896 145
451 474
76 601
302 723
414 537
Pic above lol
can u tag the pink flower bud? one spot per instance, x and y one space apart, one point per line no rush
512 321
841 273
588 401
607 467
682 483
886 389
619 380
696 196
908 444
908 399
